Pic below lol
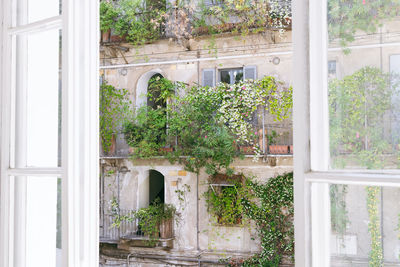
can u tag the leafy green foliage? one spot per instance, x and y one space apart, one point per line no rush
272 210
374 226
357 106
206 123
250 16
160 89
108 15
204 140
114 110
149 219
225 202
136 20
146 132
339 214
269 205
346 17
143 22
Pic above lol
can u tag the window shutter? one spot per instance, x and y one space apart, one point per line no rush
208 77
250 72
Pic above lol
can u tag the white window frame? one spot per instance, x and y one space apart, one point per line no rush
311 138
80 130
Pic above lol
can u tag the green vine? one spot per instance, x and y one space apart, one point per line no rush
339 214
181 195
225 202
374 226
272 211
115 108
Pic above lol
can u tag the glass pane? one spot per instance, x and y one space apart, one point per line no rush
365 226
30 11
41 222
38 107
225 76
238 75
364 83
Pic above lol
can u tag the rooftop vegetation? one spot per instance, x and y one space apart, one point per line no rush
144 21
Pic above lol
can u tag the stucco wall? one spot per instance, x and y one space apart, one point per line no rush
133 194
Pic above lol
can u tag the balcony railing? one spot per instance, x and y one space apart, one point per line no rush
111 233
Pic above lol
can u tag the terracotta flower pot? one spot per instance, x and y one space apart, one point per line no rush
278 149
105 36
164 150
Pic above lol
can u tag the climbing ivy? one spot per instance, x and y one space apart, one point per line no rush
339 214
272 210
374 226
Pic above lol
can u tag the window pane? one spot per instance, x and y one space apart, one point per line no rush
42 221
38 99
364 225
364 83
238 75
225 76
30 11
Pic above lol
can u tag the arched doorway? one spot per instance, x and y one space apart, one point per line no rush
142 85
156 187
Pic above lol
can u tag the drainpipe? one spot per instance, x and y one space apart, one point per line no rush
198 67
197 212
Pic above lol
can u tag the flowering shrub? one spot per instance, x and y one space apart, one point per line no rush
207 122
210 121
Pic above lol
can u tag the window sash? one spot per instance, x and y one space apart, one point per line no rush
311 137
79 168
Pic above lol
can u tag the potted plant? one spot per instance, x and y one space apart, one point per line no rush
167 214
156 221
273 147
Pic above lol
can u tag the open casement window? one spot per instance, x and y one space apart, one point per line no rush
346 161
49 133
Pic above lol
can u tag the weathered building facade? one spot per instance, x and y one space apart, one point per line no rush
197 240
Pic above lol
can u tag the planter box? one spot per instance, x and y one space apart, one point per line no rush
167 229
278 149
105 36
